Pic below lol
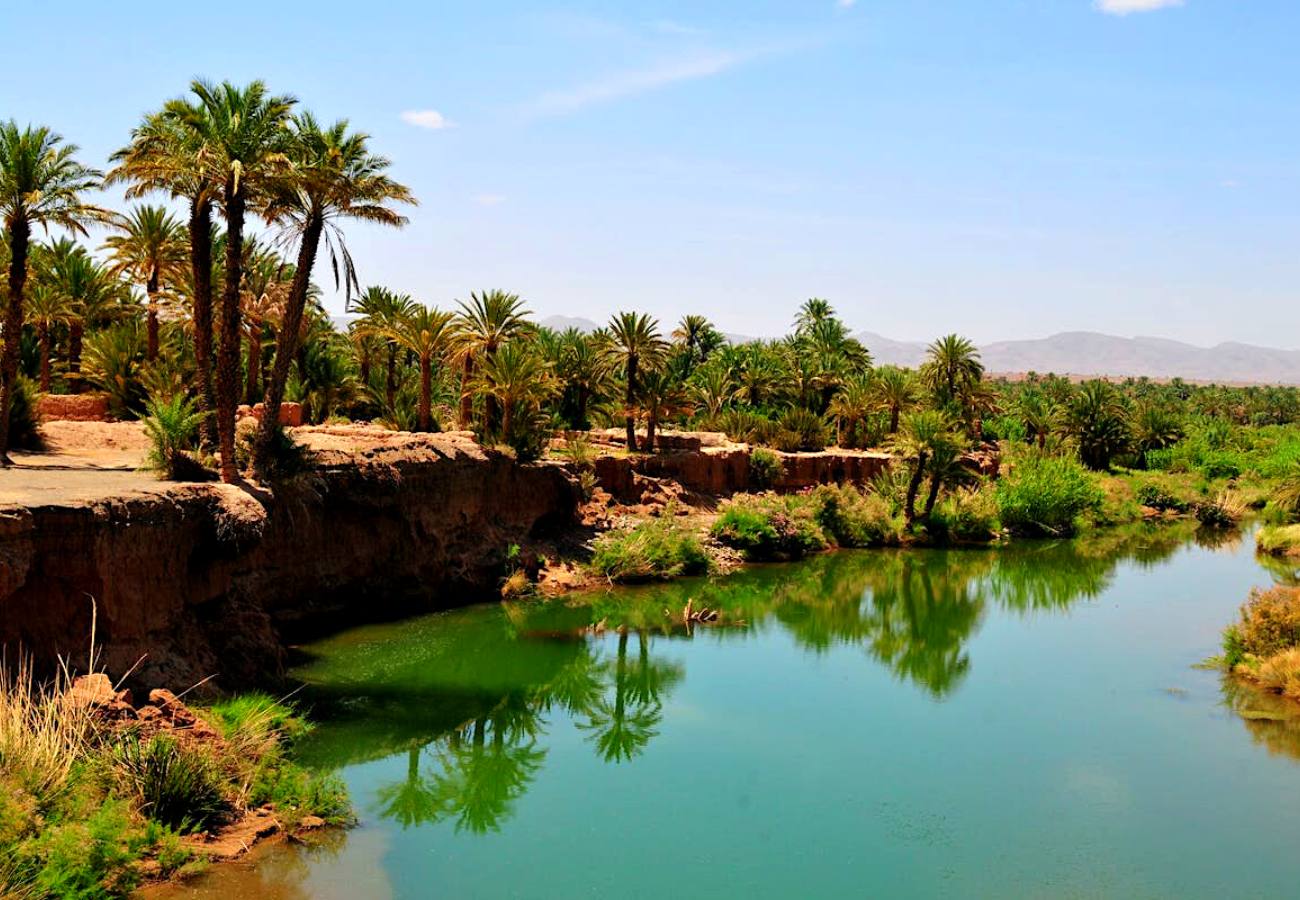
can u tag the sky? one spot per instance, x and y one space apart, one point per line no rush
1001 168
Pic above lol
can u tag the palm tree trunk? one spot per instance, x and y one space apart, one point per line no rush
390 383
229 344
426 393
630 420
19 235
151 317
935 484
914 485
76 331
507 420
254 364
45 358
466 399
650 424
200 232
364 365
286 342
893 418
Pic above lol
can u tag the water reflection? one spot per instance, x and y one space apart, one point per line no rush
467 697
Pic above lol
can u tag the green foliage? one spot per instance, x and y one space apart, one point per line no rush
24 428
1045 495
800 429
1158 496
1279 540
172 424
1096 416
968 516
654 550
769 526
851 518
113 362
765 467
1224 510
95 857
174 783
1269 623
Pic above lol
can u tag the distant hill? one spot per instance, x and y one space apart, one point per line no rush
1089 353
561 323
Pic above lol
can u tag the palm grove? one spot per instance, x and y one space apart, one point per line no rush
182 313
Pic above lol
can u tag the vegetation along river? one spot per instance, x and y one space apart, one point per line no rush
1024 721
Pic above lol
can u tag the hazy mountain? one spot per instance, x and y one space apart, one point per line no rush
560 323
1089 353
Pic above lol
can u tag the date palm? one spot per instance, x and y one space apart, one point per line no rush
267 281
150 249
662 395
920 435
584 373
381 310
712 389
700 338
812 311
1097 416
634 345
894 391
47 308
519 378
332 176
483 324
41 184
164 156
90 292
426 332
952 364
243 135
850 407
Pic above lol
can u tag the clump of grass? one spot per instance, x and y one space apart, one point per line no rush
1224 510
654 550
1279 540
1269 624
171 782
43 736
1047 496
1280 673
769 526
853 518
765 467
968 516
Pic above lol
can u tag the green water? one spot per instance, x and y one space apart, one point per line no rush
1024 722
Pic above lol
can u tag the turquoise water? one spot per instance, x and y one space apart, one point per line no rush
1023 722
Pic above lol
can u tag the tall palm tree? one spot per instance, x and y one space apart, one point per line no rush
332 176
712 388
243 135
662 395
41 184
634 344
165 155
952 363
1097 416
381 310
850 407
812 311
519 378
921 433
266 288
895 392
151 249
699 337
91 293
483 324
426 332
47 308
584 373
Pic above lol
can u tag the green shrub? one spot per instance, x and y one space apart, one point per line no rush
1047 495
24 427
1158 497
765 467
1269 624
800 429
93 858
852 518
1279 540
113 361
297 792
175 784
1224 510
171 426
968 516
767 526
654 550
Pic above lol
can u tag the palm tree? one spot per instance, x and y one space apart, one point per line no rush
41 183
165 155
1038 413
894 390
333 176
662 395
425 332
952 363
1098 418
519 379
812 311
381 310
584 372
243 138
266 287
850 407
150 249
634 344
1155 427
712 388
699 337
47 308
917 439
483 324
945 467
90 292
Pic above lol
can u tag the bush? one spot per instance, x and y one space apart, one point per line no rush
654 550
767 526
852 518
171 426
765 467
1279 540
1158 497
1223 511
1269 624
175 784
24 426
968 516
1046 495
800 429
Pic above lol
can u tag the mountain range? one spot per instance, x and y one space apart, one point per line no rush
1088 353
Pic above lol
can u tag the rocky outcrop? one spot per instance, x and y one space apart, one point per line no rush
190 581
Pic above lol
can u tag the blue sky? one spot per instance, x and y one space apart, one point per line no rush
1003 168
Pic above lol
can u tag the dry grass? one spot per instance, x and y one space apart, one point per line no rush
43 733
1280 673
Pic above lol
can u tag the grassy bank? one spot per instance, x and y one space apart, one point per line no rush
97 797
1263 645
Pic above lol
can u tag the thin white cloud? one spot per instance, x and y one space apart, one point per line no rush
1124 7
618 85
489 199
427 118
846 4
